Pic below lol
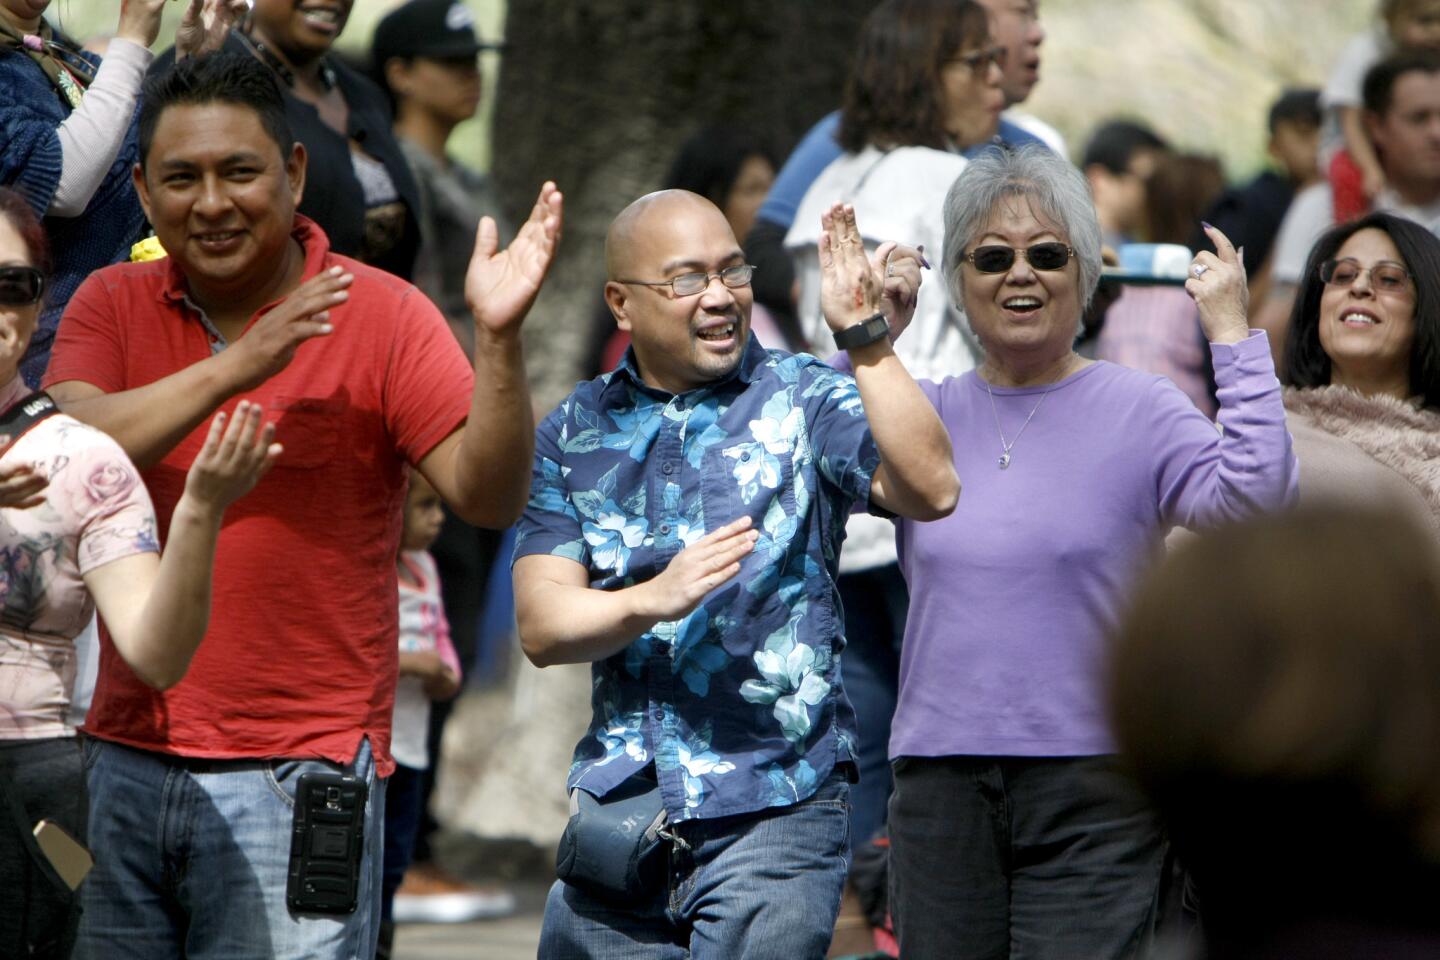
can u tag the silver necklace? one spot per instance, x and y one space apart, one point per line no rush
1004 460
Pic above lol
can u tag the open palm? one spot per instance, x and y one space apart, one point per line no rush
500 285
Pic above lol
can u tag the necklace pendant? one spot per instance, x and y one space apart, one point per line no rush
1004 460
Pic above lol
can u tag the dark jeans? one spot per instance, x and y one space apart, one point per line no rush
403 793
1017 857
876 602
39 780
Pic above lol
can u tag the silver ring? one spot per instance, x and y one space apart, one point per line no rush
1199 270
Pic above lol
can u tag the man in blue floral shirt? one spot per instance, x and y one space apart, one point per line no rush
685 518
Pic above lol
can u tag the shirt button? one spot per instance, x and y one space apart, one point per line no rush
679 403
745 455
667 469
664 528
659 715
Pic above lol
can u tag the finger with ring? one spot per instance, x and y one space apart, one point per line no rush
1199 270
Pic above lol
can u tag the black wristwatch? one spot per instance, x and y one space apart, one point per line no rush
865 332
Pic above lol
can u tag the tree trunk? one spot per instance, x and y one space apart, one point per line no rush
597 95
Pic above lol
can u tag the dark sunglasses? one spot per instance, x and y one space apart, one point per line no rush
997 259
20 286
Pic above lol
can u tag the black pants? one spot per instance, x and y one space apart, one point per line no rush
39 780
1016 857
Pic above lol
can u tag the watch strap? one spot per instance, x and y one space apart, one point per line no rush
865 332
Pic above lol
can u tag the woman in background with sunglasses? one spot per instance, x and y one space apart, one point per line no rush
1012 832
1363 366
67 123
77 533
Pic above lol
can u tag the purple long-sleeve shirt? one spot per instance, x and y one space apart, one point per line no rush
1012 595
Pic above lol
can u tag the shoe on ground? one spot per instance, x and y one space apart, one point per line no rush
430 895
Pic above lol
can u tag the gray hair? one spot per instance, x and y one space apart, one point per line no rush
1058 195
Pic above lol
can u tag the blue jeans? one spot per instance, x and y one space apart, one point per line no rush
876 602
756 885
404 794
191 859
1022 858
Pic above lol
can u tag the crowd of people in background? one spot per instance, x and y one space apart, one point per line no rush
891 652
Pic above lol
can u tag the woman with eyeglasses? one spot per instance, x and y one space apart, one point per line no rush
67 125
77 533
1363 367
924 90
1012 831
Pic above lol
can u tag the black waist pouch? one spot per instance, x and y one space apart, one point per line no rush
614 847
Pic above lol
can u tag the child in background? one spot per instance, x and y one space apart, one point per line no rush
1346 154
429 670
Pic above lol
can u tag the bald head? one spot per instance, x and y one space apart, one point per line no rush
650 223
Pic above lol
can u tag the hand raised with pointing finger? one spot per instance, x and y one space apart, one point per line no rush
699 568
1217 285
270 343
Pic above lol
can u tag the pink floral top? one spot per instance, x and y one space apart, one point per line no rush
96 510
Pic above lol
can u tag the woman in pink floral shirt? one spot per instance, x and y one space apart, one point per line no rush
77 532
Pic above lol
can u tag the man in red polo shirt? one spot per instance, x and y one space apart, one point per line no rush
193 789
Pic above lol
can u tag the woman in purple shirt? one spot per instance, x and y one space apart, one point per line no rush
1012 832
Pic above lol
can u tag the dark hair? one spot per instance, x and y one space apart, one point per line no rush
1296 105
19 214
893 96
1380 81
1115 143
710 160
233 78
1276 682
1307 364
1178 192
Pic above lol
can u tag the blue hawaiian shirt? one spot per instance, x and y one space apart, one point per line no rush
738 705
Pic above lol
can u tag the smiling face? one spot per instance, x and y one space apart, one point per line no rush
972 97
17 323
1015 25
302 29
680 342
1368 332
220 195
1024 318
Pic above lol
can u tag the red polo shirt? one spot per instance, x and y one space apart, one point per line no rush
300 658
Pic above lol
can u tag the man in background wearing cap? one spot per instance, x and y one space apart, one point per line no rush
424 54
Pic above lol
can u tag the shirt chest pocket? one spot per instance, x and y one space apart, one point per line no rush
747 479
308 428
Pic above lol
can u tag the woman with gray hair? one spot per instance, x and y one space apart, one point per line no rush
1012 832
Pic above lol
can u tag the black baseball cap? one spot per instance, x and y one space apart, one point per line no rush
438 29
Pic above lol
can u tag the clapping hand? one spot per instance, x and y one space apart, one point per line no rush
698 569
21 487
1217 285
851 289
270 344
205 24
234 458
140 21
500 285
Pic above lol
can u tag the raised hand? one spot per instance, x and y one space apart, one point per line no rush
851 289
21 487
234 458
204 25
140 21
696 570
1217 285
899 268
270 344
500 285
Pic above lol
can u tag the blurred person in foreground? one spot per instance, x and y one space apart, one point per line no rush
1015 29
77 534
425 54
1275 686
366 379
67 125
1363 368
1012 832
686 515
924 87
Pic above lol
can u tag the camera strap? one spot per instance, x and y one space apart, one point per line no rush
23 414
